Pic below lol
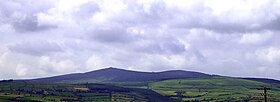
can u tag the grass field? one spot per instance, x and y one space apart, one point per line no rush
190 89
42 92
215 89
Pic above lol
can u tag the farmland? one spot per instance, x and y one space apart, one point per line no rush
126 86
216 89
26 91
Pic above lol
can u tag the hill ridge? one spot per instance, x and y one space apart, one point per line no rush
112 74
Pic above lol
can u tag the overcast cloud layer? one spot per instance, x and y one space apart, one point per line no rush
41 38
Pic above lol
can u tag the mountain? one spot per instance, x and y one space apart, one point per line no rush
120 75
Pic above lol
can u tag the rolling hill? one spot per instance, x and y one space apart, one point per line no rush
192 86
221 89
120 75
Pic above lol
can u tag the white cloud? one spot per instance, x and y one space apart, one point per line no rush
50 37
3 55
97 62
270 54
21 70
57 66
255 38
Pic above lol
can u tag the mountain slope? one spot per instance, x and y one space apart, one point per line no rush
265 80
120 75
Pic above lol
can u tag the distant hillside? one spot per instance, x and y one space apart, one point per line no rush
265 80
120 75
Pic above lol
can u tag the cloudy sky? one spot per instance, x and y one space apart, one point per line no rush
41 38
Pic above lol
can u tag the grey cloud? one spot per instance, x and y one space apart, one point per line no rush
154 42
174 47
149 15
170 47
196 21
36 48
162 47
156 13
87 10
199 16
199 55
111 35
273 24
9 7
241 27
30 24
22 14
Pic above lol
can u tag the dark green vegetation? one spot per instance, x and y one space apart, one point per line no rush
113 84
30 91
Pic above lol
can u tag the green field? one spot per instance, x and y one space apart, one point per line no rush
209 89
216 89
189 89
42 92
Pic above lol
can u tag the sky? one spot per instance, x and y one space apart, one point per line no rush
40 38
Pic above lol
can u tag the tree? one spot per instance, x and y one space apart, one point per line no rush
180 95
